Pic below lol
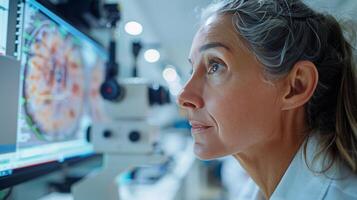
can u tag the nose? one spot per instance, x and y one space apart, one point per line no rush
190 96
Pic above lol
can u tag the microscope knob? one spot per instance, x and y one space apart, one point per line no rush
112 91
88 133
134 136
107 134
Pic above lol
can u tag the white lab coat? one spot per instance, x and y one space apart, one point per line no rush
300 183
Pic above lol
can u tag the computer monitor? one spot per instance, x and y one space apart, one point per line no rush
61 72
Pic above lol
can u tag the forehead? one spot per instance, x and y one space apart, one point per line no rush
217 28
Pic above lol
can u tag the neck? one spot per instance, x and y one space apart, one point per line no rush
267 162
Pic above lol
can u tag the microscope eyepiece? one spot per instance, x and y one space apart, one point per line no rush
112 91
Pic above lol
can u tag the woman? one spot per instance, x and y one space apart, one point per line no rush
273 84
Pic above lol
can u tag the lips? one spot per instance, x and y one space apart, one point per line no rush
197 126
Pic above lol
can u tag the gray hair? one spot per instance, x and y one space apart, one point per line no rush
280 33
275 30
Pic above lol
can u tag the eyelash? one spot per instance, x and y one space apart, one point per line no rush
213 66
210 63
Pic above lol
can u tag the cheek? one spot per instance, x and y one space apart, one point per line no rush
244 119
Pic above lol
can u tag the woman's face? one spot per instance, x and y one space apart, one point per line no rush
231 106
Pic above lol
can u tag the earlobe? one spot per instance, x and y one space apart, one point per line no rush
300 85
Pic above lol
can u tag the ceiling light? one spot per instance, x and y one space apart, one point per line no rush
133 28
169 74
152 55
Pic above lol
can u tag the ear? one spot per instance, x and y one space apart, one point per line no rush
300 85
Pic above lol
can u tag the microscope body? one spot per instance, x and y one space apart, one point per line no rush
124 137
126 140
134 102
128 131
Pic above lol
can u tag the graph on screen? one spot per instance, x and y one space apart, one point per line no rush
4 14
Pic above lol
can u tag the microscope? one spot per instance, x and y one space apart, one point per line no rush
128 139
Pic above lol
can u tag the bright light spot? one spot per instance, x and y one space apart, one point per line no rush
133 28
152 55
175 88
169 74
173 79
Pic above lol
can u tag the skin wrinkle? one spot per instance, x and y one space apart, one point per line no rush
245 110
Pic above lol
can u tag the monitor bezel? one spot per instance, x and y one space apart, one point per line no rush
24 174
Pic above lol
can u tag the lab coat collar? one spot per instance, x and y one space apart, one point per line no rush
299 181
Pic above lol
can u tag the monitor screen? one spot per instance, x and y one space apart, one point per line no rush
4 14
61 72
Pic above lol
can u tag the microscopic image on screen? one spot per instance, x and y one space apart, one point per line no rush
61 72
53 79
95 99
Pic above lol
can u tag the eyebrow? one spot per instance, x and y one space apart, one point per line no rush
212 45
205 47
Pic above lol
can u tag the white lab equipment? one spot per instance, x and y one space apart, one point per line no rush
126 141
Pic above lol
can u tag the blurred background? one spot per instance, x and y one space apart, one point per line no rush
162 32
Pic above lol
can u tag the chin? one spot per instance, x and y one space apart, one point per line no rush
206 154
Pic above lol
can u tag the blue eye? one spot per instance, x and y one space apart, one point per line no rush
214 67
